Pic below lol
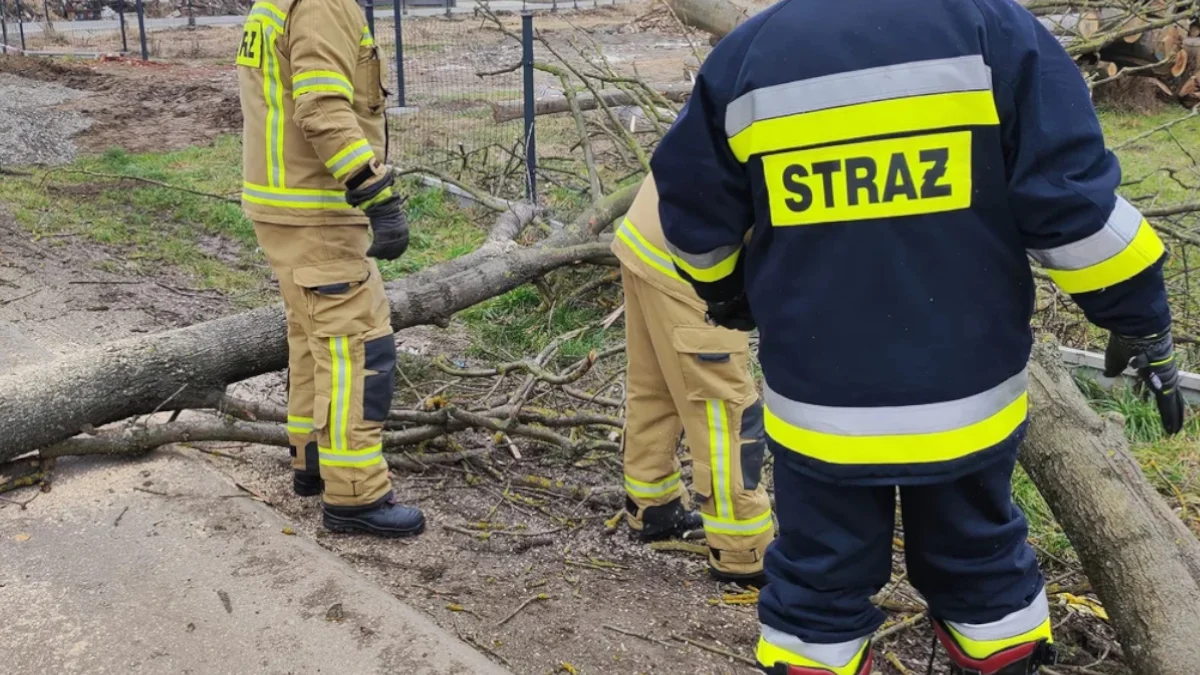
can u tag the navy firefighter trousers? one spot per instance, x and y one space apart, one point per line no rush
964 547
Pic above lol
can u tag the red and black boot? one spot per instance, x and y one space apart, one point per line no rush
1025 658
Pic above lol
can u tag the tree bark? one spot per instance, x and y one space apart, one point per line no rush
48 403
1140 557
506 111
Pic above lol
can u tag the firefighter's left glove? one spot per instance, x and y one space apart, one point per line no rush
732 314
1154 360
383 205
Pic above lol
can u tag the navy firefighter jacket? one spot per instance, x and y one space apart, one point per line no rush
904 160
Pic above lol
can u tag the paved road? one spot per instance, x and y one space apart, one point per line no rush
464 7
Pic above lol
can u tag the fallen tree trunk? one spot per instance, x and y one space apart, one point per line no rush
1139 556
48 403
506 111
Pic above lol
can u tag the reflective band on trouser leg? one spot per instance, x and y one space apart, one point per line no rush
650 254
662 488
299 425
842 658
720 443
322 80
913 434
339 452
350 158
896 99
980 641
294 198
707 267
1120 250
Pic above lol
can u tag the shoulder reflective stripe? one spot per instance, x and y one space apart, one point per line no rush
775 646
712 266
660 488
915 448
273 93
322 80
649 253
1031 624
926 418
294 198
738 528
350 158
1145 250
367 40
268 14
878 118
1120 229
719 457
919 78
351 458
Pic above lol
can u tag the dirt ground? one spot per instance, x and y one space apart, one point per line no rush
611 606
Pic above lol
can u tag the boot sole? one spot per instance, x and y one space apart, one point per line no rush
757 580
347 526
306 491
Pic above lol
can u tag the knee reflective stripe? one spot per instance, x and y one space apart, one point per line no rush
294 198
299 425
1120 250
1027 625
738 528
650 254
354 458
754 446
842 658
707 267
931 432
719 457
273 92
662 488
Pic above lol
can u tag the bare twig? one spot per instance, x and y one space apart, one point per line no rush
639 636
139 179
715 650
523 605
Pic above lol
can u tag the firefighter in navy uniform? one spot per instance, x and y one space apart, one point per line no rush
323 205
897 188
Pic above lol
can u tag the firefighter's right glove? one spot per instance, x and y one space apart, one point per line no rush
1154 359
732 314
384 206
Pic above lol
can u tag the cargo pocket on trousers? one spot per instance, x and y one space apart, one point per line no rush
702 482
320 414
380 382
714 363
339 301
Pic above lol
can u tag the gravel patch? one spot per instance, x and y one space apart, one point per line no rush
32 130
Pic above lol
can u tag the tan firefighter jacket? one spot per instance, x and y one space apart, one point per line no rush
312 97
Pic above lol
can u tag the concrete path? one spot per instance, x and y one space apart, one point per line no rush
99 577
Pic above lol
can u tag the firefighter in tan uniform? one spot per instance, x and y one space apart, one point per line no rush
313 182
688 376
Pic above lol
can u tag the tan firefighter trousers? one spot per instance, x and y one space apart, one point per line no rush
341 356
687 376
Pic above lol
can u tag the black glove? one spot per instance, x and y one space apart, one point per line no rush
1154 359
732 314
380 202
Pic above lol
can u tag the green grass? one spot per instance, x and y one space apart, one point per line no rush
517 324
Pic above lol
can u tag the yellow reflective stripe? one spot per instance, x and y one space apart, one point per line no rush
352 458
716 272
981 649
367 40
660 488
769 655
322 80
877 118
718 444
294 198
350 158
341 377
649 253
299 425
915 448
738 528
268 14
1143 251
273 93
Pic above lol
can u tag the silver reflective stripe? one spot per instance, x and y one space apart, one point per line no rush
632 238
1118 231
704 261
1018 623
834 655
667 486
925 418
720 458
722 526
362 460
919 78
274 113
315 81
264 14
351 158
294 198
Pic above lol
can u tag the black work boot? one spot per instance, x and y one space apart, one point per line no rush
306 484
1025 658
383 519
756 579
666 521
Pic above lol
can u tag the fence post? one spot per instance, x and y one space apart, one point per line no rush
3 27
191 15
398 10
369 6
21 24
124 36
141 12
530 118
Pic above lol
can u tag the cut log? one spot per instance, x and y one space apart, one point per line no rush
506 111
1139 556
49 403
